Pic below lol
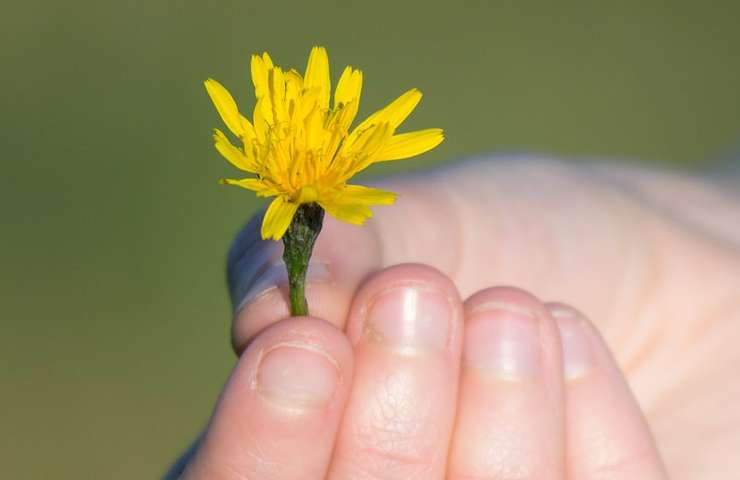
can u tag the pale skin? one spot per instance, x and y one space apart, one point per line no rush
513 318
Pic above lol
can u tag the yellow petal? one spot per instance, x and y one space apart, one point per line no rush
314 129
247 129
410 144
254 184
395 112
261 122
351 204
363 150
276 80
226 106
347 115
371 140
349 87
307 194
277 218
317 75
235 156
307 103
347 98
367 195
293 85
259 67
355 213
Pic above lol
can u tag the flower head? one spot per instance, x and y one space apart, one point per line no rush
299 145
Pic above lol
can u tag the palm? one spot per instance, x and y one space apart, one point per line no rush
662 289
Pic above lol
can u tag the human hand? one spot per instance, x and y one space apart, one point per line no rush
582 235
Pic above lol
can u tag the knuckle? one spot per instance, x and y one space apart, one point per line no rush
394 441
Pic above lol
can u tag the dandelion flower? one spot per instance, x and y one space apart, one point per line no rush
300 147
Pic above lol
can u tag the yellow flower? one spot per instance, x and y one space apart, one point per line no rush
300 146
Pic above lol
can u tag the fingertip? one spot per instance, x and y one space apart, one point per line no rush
288 356
408 286
504 335
606 429
302 364
517 305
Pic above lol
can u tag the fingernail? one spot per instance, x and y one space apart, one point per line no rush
297 376
410 317
503 340
272 275
578 355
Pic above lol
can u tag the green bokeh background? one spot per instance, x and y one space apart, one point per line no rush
114 314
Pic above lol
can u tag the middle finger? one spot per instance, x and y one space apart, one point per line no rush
406 325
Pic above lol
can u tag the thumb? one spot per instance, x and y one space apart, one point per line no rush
257 277
343 257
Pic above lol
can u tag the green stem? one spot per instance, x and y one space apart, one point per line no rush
299 241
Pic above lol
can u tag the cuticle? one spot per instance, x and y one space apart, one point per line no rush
494 306
397 286
312 347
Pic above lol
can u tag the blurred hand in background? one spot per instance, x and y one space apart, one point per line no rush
416 364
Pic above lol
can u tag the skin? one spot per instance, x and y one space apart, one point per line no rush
613 357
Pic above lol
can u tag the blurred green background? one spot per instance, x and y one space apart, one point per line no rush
114 229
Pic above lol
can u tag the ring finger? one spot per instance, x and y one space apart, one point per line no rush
510 421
